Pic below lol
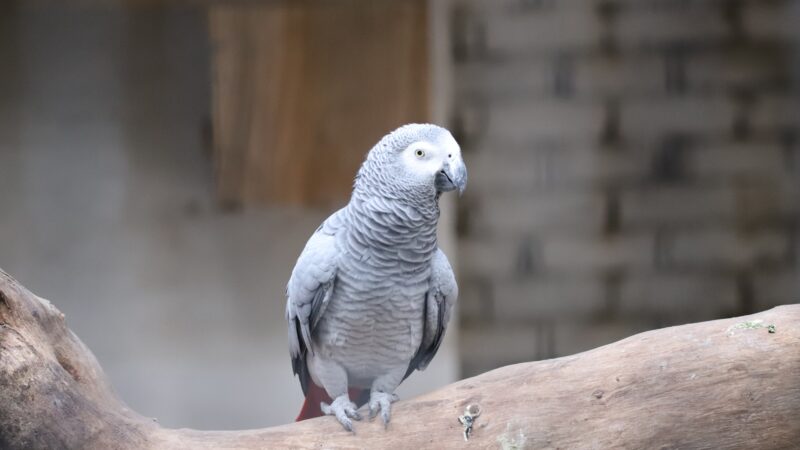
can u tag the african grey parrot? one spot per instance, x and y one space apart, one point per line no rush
370 297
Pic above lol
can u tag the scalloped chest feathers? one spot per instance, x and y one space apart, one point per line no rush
374 321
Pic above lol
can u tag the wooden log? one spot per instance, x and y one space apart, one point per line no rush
724 384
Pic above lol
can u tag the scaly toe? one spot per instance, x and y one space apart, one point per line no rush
381 401
353 414
386 418
343 409
325 408
374 407
347 424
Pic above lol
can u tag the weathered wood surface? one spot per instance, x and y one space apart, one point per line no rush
715 385
301 90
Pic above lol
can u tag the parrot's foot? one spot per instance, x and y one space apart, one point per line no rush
343 409
383 401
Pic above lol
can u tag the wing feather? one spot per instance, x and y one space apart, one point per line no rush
309 291
439 303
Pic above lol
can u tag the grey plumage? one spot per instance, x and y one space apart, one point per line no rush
370 297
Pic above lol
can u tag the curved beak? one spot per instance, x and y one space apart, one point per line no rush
451 177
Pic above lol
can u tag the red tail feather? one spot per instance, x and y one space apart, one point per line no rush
310 407
316 395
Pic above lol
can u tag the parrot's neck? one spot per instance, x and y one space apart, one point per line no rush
374 180
424 205
391 223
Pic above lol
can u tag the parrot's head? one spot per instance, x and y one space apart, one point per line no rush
417 159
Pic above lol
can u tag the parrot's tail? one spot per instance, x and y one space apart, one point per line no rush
316 395
311 408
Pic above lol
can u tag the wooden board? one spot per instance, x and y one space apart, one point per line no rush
302 90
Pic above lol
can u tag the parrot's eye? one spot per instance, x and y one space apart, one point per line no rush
420 153
449 155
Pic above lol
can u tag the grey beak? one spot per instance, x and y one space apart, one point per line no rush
452 177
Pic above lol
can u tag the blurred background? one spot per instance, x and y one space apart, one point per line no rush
633 165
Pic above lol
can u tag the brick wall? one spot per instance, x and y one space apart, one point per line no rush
633 164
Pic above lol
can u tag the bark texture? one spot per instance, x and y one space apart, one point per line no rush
723 384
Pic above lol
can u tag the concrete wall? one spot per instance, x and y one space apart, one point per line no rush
107 209
633 164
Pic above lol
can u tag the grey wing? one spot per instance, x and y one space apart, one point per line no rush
308 292
439 303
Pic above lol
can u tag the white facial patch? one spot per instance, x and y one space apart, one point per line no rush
424 159
451 147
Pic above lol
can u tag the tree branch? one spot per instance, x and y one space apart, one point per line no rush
722 384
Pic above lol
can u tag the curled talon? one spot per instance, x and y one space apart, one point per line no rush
381 401
343 409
